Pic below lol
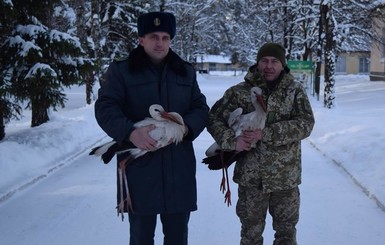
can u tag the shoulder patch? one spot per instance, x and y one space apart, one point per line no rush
120 59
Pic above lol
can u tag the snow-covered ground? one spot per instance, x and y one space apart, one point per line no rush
52 192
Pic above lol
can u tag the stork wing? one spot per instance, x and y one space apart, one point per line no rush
234 117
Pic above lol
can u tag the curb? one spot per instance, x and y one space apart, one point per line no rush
36 179
354 179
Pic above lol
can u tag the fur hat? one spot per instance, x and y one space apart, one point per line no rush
157 21
272 49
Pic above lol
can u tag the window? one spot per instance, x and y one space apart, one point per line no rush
382 49
212 66
341 65
364 65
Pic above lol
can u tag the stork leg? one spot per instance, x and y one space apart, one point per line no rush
228 192
225 177
123 181
222 186
225 180
120 207
128 195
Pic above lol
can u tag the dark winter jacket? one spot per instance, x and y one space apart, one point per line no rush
164 180
275 163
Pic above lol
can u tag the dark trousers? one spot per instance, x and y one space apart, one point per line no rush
175 228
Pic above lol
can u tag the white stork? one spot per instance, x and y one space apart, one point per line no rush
238 122
169 128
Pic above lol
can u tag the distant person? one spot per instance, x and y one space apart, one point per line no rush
268 174
163 181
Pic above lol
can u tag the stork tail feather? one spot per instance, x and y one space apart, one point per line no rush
213 162
110 153
216 163
102 149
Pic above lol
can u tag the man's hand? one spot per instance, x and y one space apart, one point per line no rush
247 139
141 139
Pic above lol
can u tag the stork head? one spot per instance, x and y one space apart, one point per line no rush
256 91
256 95
158 113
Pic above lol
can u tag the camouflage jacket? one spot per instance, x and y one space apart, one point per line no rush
275 163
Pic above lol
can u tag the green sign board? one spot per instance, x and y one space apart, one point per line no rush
300 65
302 71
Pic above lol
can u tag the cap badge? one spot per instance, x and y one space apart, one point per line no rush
157 22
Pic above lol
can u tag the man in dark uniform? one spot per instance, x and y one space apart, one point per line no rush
163 180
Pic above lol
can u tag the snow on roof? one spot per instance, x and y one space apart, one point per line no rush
214 59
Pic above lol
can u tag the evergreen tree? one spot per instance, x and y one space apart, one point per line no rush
8 108
40 59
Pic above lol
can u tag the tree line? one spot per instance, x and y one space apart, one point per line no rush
48 45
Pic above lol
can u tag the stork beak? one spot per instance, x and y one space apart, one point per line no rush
261 102
171 117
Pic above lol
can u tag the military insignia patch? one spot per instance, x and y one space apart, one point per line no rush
121 58
157 22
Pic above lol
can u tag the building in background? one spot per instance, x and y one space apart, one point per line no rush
207 63
353 62
377 54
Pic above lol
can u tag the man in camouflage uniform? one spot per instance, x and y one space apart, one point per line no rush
268 174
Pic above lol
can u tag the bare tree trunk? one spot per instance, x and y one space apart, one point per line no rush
306 53
330 57
81 27
162 6
317 81
288 26
96 36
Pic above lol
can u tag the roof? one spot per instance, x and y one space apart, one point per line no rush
214 59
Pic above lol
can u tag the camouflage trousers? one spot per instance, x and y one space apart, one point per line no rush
283 207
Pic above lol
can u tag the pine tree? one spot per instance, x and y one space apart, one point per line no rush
8 108
41 60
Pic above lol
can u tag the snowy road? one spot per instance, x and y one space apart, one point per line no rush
75 205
